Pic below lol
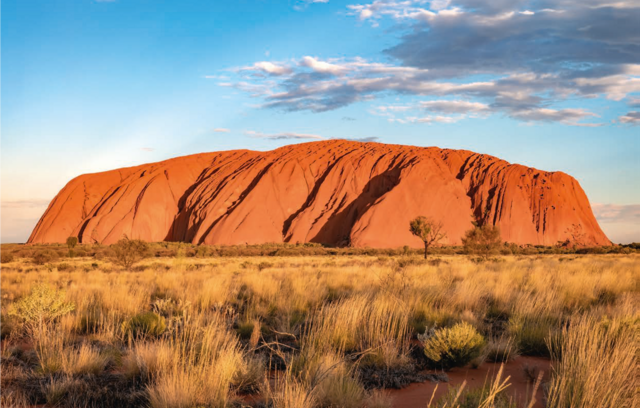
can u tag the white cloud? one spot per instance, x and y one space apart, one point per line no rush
322 66
434 119
221 130
283 136
615 87
272 68
592 51
344 82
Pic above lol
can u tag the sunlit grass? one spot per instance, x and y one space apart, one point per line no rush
226 321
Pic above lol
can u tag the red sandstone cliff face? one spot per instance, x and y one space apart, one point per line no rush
336 192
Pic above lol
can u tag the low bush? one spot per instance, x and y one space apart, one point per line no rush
40 308
453 347
129 251
482 240
46 256
147 324
245 329
6 257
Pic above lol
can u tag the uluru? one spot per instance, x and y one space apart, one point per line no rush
335 192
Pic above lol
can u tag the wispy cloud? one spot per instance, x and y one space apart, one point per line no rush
283 136
438 111
303 4
221 130
631 118
620 222
147 149
319 86
617 213
220 77
27 203
364 139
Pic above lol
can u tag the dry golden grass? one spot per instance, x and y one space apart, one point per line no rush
596 364
326 317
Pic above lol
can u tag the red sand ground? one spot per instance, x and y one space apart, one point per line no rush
418 395
334 192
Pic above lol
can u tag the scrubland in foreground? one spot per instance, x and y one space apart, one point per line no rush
315 331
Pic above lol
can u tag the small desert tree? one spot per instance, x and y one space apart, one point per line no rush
40 308
482 240
428 230
129 251
71 243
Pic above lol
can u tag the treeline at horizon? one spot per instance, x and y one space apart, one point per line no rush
43 253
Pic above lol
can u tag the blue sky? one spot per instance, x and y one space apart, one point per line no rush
95 85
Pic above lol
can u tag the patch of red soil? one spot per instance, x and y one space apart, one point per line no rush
418 395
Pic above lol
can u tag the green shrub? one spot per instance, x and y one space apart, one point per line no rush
6 257
40 308
147 324
43 257
453 347
482 240
127 252
245 329
71 243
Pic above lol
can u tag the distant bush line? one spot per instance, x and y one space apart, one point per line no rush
45 253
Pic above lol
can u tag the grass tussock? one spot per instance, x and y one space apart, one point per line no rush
595 364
